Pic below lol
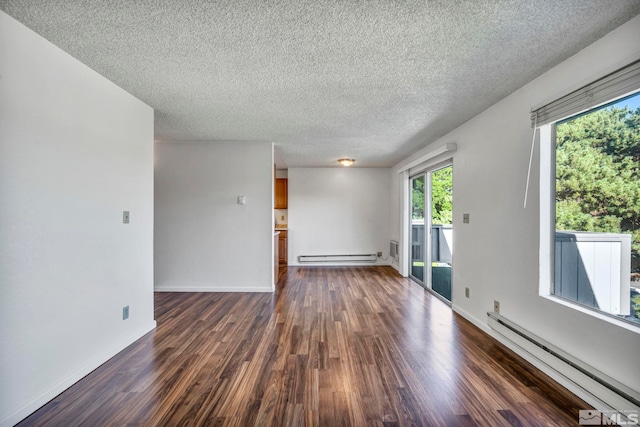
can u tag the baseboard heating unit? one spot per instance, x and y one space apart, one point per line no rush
338 258
591 385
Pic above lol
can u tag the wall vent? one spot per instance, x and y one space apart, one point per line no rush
393 249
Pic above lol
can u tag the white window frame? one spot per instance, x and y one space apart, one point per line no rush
547 139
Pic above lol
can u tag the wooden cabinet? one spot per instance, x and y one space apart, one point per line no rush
282 247
281 193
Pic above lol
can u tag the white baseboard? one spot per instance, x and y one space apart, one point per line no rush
30 407
593 394
476 322
589 384
552 373
213 289
557 376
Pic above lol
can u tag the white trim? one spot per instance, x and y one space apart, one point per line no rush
274 239
545 263
569 370
431 166
446 148
27 409
594 313
405 206
396 267
476 322
552 372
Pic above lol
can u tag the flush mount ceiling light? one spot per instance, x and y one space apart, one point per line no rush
346 162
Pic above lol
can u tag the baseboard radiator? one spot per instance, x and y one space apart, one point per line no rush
337 258
590 381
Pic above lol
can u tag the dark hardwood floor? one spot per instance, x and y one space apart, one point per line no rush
332 347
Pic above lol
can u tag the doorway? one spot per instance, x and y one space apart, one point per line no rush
431 252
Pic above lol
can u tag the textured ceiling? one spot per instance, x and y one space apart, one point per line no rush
323 79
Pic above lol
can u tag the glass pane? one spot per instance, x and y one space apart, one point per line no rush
417 228
441 230
597 208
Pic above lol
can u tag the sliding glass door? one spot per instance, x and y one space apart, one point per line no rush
418 248
441 226
432 229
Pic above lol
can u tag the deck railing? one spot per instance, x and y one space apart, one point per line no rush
441 242
594 269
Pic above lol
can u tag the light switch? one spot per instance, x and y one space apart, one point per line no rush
125 217
242 200
465 218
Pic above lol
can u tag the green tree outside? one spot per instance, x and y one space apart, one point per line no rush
598 174
442 196
417 198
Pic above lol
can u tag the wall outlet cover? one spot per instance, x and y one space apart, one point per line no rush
496 306
125 312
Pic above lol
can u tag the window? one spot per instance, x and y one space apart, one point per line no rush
590 196
597 209
590 202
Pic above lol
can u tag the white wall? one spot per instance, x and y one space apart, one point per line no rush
75 151
395 213
496 254
204 240
338 211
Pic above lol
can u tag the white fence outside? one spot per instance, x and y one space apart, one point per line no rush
441 241
594 269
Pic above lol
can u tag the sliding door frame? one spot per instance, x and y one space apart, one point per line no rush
427 282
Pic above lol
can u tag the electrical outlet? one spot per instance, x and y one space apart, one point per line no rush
466 292
379 254
282 217
465 218
125 217
125 312
496 306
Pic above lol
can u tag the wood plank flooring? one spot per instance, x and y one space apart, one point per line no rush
332 347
